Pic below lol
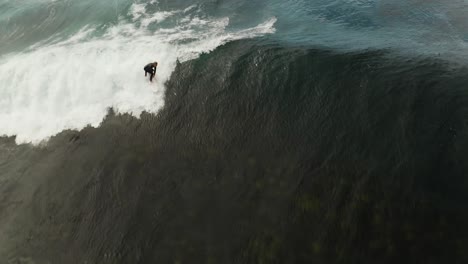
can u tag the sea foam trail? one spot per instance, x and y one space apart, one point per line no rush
71 83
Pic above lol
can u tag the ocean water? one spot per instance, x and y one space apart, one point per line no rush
285 131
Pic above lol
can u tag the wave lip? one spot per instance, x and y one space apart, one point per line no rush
69 84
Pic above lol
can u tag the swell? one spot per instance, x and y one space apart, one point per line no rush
261 153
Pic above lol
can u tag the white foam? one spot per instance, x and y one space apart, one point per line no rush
71 83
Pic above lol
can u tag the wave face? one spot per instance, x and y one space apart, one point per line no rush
276 132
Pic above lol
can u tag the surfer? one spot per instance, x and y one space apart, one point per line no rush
151 69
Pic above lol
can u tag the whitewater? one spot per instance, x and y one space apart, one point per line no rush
70 83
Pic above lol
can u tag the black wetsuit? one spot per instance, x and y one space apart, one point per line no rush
151 69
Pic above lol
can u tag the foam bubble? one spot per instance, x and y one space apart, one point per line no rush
71 83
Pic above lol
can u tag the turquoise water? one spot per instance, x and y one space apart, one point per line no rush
433 26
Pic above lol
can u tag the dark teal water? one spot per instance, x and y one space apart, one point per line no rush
338 137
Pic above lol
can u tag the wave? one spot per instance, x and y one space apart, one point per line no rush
70 83
284 155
